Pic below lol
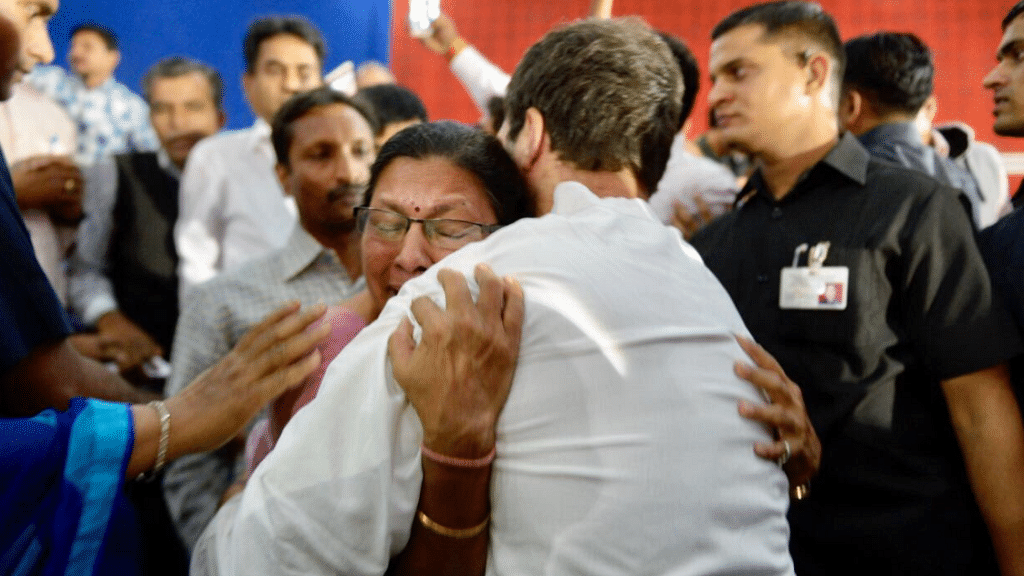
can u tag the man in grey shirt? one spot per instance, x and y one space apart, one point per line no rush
319 263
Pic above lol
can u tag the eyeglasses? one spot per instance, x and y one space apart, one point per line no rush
443 233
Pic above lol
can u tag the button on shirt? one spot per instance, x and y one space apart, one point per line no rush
232 208
212 321
111 118
920 309
619 451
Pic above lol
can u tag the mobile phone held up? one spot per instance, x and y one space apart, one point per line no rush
422 14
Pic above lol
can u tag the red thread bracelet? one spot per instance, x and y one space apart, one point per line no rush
459 462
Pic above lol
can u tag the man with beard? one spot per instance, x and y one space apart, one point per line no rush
123 276
319 263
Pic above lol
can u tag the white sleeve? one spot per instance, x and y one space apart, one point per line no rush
199 230
482 79
90 292
338 493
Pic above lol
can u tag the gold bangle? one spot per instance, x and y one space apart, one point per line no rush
460 533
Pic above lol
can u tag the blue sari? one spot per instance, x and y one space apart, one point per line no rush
62 505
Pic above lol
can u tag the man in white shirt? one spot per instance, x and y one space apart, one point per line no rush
232 207
620 450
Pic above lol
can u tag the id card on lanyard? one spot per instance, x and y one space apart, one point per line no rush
815 286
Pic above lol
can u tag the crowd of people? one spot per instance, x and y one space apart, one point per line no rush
569 339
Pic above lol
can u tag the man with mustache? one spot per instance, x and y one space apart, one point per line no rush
319 263
123 276
111 118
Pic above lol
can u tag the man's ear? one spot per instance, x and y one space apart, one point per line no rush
851 110
283 173
819 72
247 85
532 137
222 119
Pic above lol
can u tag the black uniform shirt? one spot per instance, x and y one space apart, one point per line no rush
920 309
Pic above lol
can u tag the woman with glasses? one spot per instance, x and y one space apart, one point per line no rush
433 189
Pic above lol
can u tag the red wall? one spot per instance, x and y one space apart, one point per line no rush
962 33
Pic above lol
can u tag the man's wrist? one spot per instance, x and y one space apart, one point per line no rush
455 47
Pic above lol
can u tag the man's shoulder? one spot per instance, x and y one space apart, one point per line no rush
225 144
126 93
893 179
254 276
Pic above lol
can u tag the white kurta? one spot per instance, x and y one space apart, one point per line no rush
620 450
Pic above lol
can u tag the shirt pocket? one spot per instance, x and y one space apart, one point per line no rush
868 295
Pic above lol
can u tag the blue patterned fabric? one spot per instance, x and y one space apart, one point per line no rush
62 504
111 119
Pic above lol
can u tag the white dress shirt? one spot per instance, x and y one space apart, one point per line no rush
31 124
232 207
620 450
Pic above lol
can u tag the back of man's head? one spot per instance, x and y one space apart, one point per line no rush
265 28
892 70
177 66
393 104
690 70
609 92
803 22
1012 15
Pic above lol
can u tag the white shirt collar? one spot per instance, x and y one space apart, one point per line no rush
260 133
164 161
572 197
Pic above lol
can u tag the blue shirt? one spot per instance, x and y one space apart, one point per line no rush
111 119
30 313
900 143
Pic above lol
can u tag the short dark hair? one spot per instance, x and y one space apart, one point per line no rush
690 70
299 105
468 148
894 70
496 110
804 20
108 36
177 66
610 94
393 103
265 28
1017 10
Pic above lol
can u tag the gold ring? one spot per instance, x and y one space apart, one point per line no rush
69 185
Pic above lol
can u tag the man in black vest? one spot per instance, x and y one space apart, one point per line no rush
123 277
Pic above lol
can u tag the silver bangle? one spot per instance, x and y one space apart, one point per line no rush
165 436
165 433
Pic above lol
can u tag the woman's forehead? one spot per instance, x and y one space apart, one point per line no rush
424 188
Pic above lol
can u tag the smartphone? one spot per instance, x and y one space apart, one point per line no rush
422 14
